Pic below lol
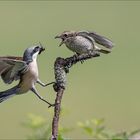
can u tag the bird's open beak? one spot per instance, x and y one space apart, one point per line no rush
61 43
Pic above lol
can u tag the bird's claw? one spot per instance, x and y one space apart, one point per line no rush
66 68
53 105
55 87
76 57
82 61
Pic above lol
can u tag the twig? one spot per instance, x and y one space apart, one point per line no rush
61 67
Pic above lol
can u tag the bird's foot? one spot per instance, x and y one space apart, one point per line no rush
66 68
82 61
57 87
51 105
76 56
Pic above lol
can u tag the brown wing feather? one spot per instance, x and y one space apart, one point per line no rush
98 38
12 57
10 67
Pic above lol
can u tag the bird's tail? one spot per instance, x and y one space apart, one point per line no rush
4 95
104 51
102 40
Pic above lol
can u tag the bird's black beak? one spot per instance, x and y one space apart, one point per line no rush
57 36
41 48
61 43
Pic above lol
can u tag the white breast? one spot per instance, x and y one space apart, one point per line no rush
29 78
33 68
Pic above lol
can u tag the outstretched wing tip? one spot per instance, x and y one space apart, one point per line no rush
10 67
98 38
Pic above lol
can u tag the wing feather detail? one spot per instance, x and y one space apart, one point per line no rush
10 68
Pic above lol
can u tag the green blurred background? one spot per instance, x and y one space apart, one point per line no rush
105 87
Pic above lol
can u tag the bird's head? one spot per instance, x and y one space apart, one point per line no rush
65 36
31 53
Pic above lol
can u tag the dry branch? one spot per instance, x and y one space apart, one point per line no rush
61 67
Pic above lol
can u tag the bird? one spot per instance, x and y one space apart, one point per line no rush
81 42
25 70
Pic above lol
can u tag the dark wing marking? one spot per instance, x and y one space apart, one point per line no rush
10 67
98 38
12 57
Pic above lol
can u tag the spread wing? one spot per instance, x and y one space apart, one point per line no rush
10 67
98 38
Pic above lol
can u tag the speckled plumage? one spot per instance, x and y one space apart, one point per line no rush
80 44
84 41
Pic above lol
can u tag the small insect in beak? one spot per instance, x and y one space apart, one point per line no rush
41 48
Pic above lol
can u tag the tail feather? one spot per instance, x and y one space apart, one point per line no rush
102 40
4 95
104 51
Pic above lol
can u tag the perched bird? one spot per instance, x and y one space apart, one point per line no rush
84 42
25 70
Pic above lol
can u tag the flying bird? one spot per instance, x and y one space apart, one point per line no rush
85 42
25 70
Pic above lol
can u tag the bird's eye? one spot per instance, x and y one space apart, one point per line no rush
36 49
65 35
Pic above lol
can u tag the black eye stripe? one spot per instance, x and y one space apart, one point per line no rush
36 49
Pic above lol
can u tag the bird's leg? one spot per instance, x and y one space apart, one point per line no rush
82 61
40 97
44 85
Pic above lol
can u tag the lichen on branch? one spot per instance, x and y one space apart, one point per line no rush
61 68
